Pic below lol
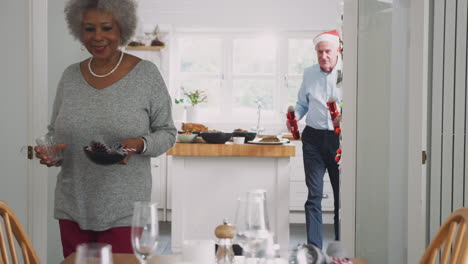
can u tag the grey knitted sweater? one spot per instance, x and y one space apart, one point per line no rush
101 197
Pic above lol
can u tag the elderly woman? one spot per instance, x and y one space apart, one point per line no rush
111 97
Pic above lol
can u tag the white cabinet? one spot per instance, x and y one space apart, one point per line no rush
298 191
162 186
159 184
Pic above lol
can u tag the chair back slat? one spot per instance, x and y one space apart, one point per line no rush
14 233
459 241
448 242
24 250
433 255
3 249
11 242
452 237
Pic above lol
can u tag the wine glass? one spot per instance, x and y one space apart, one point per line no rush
251 227
94 253
145 230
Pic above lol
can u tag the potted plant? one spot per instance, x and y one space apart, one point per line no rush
194 99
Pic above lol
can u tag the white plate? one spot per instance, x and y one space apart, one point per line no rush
257 141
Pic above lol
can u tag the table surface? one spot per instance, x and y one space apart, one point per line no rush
131 259
160 259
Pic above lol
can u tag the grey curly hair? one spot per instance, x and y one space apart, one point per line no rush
124 12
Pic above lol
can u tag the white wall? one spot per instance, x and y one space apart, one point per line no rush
14 85
271 14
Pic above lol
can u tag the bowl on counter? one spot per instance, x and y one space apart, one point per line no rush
193 132
249 136
216 137
184 138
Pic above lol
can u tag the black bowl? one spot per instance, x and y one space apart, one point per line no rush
215 137
104 158
249 136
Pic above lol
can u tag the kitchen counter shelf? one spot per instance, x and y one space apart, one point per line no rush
144 47
229 149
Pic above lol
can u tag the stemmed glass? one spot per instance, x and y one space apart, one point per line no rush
145 230
94 253
252 232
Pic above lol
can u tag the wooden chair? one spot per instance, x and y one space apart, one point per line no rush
455 250
12 226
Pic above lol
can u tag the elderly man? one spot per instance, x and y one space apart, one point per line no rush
319 141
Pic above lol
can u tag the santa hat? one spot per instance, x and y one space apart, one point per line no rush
331 36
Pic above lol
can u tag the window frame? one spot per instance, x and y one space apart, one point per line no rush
226 76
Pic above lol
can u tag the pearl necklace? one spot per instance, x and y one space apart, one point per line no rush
109 73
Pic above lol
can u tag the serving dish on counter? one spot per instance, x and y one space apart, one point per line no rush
249 136
259 142
187 138
216 137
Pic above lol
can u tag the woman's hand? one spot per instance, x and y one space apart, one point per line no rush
135 143
42 154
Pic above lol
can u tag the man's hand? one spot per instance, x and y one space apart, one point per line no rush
336 121
288 124
135 143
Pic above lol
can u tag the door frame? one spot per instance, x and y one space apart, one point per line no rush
418 120
350 79
37 119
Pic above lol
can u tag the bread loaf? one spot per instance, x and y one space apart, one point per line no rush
193 127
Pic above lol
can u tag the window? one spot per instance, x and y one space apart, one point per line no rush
240 71
301 54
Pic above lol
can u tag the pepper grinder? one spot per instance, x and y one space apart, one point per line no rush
225 234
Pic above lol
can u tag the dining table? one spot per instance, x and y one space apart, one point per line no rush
131 259
162 259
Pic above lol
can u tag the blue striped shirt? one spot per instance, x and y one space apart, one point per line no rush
317 87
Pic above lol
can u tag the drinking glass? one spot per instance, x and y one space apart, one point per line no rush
260 210
50 147
145 230
94 253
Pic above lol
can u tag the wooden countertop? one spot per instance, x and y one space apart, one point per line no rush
290 137
229 149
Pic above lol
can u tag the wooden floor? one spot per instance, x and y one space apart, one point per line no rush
297 236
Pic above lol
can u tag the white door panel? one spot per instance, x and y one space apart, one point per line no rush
14 73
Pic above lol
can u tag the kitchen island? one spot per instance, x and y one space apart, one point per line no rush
207 179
